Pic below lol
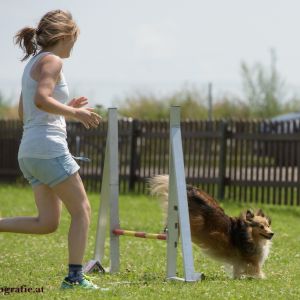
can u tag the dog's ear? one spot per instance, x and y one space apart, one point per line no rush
269 220
249 215
260 213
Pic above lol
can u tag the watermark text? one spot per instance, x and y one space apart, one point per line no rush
20 289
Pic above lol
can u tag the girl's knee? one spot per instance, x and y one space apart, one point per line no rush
88 211
51 228
83 211
47 226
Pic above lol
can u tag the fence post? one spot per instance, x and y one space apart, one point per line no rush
134 132
222 161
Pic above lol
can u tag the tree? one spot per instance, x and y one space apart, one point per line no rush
7 111
151 107
230 108
264 89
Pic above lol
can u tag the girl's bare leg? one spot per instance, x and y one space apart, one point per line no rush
47 221
73 195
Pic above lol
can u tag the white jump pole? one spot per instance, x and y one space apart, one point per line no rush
109 199
178 206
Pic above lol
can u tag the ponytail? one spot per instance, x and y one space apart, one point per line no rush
25 38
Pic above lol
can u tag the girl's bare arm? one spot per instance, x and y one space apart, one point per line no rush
49 70
20 108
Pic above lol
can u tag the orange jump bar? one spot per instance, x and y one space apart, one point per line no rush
144 235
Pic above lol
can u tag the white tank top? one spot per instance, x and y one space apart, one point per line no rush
44 134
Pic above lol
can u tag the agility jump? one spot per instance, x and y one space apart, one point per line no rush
177 207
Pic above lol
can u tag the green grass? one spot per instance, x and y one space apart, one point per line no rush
41 261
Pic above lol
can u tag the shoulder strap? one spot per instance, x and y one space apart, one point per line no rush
35 59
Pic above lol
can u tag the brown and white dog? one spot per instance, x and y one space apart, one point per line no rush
242 242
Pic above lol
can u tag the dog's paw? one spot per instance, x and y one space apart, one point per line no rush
261 275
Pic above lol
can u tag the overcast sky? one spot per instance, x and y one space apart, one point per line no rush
159 45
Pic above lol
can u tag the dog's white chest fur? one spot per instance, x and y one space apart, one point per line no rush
265 249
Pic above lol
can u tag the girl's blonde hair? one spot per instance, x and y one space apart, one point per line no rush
53 26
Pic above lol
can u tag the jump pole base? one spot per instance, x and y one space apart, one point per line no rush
197 277
94 266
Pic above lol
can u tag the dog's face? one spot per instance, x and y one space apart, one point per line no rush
260 224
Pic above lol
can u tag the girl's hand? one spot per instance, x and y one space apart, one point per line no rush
78 102
87 117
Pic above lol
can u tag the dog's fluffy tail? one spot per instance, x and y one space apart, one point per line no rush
159 187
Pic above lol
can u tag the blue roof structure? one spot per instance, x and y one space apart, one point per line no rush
287 117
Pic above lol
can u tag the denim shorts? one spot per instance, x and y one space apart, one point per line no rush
48 171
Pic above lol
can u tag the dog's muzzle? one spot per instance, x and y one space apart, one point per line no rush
268 236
